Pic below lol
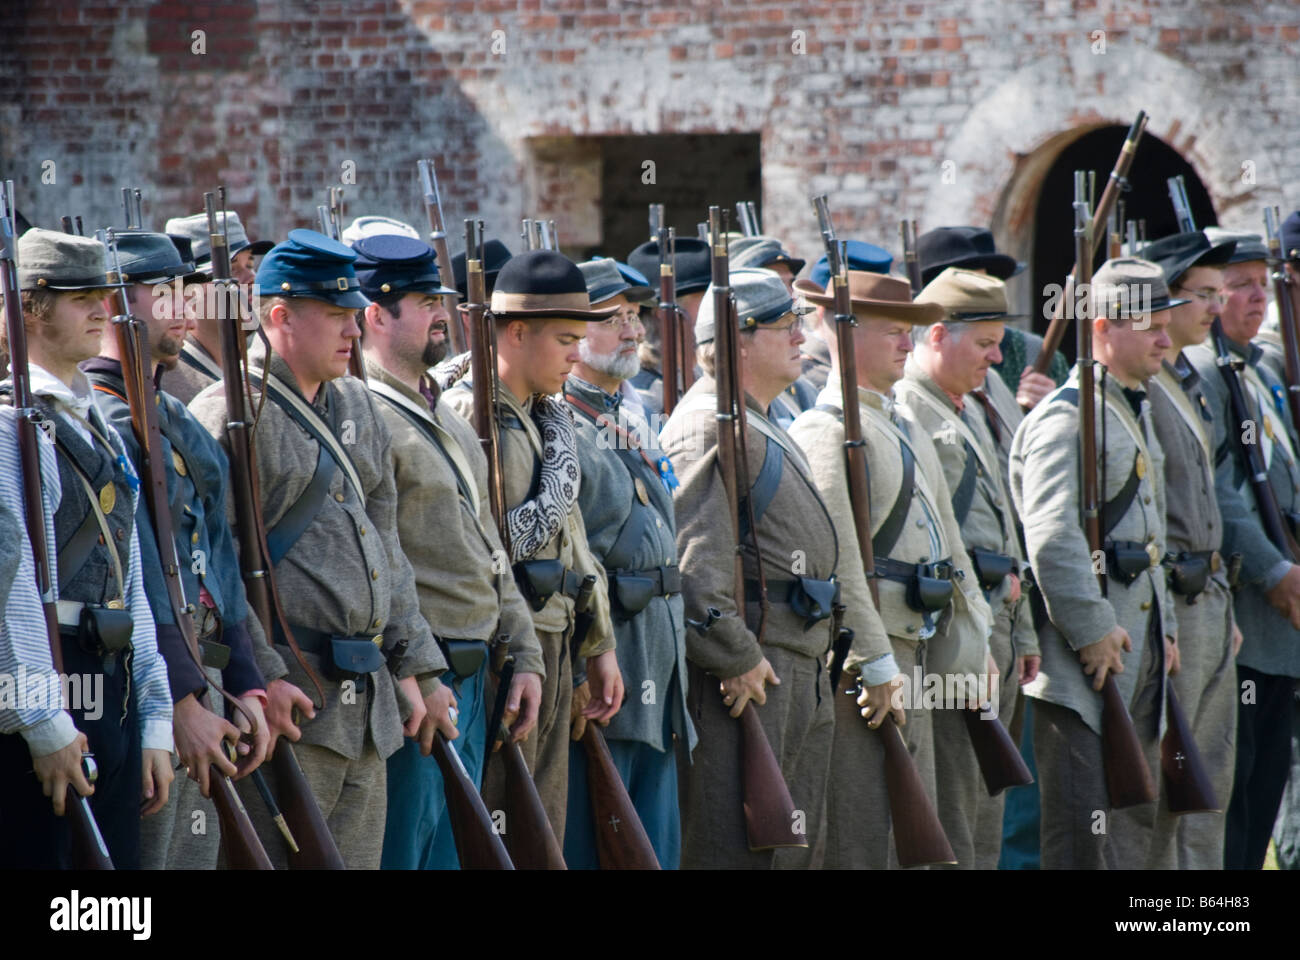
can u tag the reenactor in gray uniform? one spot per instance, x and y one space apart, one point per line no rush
799 551
933 620
466 593
1267 600
106 628
200 358
1208 637
541 309
1125 631
627 506
231 640
952 359
329 502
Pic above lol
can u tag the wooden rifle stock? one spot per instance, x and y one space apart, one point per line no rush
529 837
1128 778
621 840
477 844
89 851
438 240
769 809
1000 762
297 804
1187 784
919 837
1116 183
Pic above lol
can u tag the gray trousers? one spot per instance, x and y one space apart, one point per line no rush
858 823
351 795
1207 690
1078 829
799 722
546 751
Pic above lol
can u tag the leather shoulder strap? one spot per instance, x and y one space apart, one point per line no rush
301 413
964 496
281 538
1112 512
763 491
892 528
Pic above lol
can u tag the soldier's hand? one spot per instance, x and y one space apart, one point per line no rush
1237 640
1013 596
437 716
1285 596
737 691
201 738
252 757
1033 387
282 698
606 682
1029 669
881 700
156 780
1104 656
1173 662
62 767
410 688
523 703
577 722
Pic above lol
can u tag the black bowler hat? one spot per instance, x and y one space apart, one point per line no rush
310 264
970 248
144 257
393 264
495 255
692 263
543 283
1180 252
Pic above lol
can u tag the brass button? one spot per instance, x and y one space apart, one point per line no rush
377 624
194 537
338 497
920 523
119 533
1146 499
1145 605
363 529
101 539
374 574
377 640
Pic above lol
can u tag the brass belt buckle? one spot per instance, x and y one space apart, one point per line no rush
1154 553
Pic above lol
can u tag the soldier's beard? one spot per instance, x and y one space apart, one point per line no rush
434 351
619 365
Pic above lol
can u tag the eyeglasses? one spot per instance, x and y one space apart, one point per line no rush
632 317
796 325
1206 295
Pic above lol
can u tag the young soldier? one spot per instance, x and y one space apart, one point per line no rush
105 624
627 507
952 359
542 312
1208 638
325 459
200 356
1125 631
1267 599
914 536
724 654
465 594
231 640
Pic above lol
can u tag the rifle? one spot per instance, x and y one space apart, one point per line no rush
1117 182
310 844
1128 779
478 845
1284 293
670 317
329 216
89 851
919 837
243 848
438 239
911 262
747 217
530 839
769 810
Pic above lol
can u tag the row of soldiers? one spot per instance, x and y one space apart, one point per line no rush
395 579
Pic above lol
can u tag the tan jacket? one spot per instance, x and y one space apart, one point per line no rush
451 548
521 451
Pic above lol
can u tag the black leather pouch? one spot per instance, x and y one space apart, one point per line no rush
464 657
632 594
1189 574
1125 560
813 599
539 580
991 568
104 630
214 655
926 594
351 659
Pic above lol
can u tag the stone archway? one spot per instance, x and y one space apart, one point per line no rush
1015 134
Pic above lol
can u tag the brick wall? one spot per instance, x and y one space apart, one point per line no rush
865 101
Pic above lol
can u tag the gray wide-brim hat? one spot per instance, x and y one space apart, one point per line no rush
52 260
761 298
759 251
150 258
606 280
196 228
1132 287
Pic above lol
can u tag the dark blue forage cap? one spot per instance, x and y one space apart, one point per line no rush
310 264
863 256
391 264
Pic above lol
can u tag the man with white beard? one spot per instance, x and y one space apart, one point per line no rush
627 507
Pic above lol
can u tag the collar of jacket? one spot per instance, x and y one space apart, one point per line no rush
1183 372
103 367
375 372
592 394
913 371
279 367
1251 352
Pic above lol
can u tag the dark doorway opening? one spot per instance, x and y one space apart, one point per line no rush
690 172
1147 198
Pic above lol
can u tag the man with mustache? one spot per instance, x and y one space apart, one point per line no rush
1267 601
951 360
627 506
449 536
232 644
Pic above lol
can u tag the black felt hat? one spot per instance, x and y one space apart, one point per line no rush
543 283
